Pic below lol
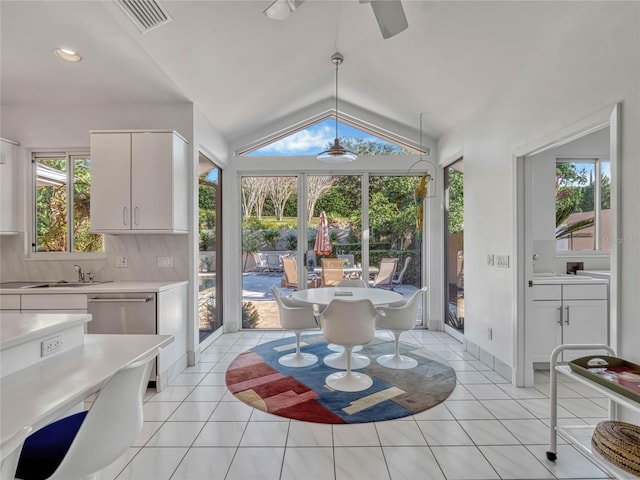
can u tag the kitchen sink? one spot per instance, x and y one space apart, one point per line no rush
76 284
49 284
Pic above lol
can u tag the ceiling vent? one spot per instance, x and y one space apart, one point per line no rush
146 14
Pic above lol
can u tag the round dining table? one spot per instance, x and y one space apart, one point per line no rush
323 296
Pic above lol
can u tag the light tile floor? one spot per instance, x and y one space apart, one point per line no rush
487 429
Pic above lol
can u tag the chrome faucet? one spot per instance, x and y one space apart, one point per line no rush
80 273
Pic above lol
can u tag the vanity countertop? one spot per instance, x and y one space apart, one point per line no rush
565 279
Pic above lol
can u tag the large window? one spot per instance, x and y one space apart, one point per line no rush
62 195
583 204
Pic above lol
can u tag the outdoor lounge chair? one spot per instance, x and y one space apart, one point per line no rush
384 277
290 275
332 271
261 261
397 278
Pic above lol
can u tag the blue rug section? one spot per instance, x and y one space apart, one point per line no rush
314 377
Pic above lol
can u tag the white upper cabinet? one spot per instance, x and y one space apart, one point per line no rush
8 183
139 182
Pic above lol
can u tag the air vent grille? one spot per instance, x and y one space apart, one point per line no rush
146 14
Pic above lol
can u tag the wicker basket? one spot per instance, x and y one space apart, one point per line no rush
618 443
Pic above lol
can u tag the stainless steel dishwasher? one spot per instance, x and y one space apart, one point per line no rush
129 313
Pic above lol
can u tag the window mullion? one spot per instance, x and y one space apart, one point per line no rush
70 234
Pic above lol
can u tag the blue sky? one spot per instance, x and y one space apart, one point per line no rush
313 139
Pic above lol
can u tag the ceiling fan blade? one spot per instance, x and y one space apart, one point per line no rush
390 16
281 9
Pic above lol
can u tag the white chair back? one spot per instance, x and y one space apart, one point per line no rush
293 316
402 317
349 322
111 425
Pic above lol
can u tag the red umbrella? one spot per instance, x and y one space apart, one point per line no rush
323 244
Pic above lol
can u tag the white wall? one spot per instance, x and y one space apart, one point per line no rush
595 66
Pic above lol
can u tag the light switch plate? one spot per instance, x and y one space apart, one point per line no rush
502 261
165 262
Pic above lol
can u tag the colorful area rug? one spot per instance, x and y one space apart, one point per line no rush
256 378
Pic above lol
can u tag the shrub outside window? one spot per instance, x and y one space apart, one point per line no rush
583 204
62 197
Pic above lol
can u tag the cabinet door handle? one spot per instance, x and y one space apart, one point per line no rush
560 320
135 215
566 320
124 215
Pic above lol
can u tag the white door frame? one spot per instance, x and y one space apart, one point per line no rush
607 117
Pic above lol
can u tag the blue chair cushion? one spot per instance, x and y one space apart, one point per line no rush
44 450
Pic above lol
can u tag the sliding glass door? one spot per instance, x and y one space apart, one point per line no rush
210 248
454 245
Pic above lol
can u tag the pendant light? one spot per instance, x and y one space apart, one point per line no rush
337 153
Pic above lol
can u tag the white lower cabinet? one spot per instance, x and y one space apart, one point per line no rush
46 303
564 314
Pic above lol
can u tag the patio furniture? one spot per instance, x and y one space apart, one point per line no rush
274 262
349 323
290 275
397 278
261 261
332 271
385 275
398 320
349 257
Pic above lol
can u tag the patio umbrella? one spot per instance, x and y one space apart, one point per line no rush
323 244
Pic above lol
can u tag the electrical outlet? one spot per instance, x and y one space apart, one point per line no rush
491 260
502 261
122 262
51 345
164 262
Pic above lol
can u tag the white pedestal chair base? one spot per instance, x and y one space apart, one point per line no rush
339 348
339 360
349 381
297 359
398 362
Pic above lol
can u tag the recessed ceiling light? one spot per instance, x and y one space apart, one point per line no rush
67 54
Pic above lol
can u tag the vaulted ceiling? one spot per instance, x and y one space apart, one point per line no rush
245 71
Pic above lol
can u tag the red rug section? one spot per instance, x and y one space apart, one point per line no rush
284 396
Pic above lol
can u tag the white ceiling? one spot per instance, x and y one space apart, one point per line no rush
245 71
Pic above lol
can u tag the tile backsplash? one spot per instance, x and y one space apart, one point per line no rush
142 252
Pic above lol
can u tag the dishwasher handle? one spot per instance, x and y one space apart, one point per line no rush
121 300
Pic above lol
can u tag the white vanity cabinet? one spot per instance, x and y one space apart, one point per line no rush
8 183
565 313
139 182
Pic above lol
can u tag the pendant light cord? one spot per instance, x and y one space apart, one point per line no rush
337 62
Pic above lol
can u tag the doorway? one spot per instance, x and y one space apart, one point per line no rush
578 163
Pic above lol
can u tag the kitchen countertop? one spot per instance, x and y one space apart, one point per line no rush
108 287
19 328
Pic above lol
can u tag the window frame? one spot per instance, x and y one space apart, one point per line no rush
597 162
69 155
